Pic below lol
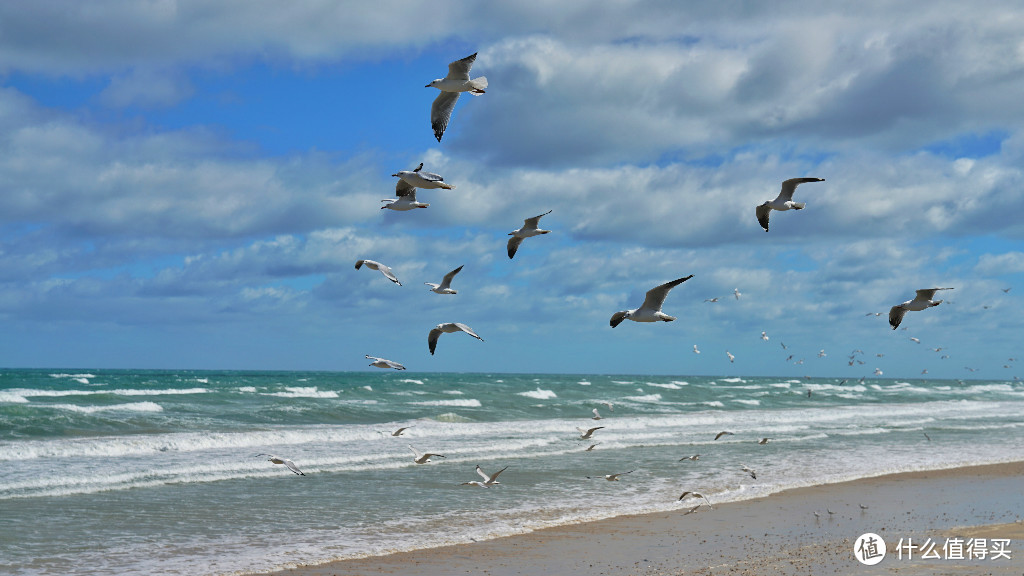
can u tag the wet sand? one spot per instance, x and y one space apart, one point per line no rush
778 534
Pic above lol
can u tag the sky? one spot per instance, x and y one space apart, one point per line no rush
188 184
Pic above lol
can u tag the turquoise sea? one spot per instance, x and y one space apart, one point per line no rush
155 472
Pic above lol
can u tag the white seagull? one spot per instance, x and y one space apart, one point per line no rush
922 300
488 480
611 477
448 328
722 433
372 265
591 447
695 350
596 416
696 495
288 463
406 193
736 292
784 201
422 458
412 179
445 287
399 432
587 433
764 336
650 310
384 363
753 474
456 82
693 458
529 229
731 357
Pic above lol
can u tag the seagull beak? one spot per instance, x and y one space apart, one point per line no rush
427 86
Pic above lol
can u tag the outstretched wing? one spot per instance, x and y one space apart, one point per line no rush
467 330
617 318
459 70
386 271
447 282
513 246
789 186
291 466
432 339
896 314
535 221
656 296
927 294
441 112
403 189
763 211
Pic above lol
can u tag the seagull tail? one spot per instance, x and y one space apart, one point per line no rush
478 85
799 205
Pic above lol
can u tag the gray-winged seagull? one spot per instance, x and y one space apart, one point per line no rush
456 82
422 458
373 265
922 300
529 229
784 201
384 363
412 179
650 310
445 287
288 463
448 328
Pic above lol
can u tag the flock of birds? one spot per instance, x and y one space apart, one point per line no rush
451 87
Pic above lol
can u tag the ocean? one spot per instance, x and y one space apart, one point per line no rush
155 472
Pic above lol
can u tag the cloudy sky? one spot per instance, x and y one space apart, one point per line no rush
188 185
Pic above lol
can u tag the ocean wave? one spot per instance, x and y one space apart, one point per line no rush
669 386
734 380
748 402
129 407
303 392
468 403
539 394
647 398
411 381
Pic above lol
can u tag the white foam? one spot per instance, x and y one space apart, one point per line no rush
247 389
468 403
303 392
411 381
129 407
647 398
539 394
368 388
734 380
748 402
453 392
669 386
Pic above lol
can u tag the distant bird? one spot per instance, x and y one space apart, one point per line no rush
929 438
816 514
922 300
783 345
764 336
591 447
288 463
406 199
874 313
939 349
925 371
829 510
445 287
422 458
448 328
821 353
650 310
384 363
611 477
451 86
596 416
878 372
694 509
372 265
722 433
731 357
784 201
529 229
693 458
712 300
1006 290
917 340
695 350
862 507
489 480
736 292
765 440
695 495
586 434
753 474
609 406
400 431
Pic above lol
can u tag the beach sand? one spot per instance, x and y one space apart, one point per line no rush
778 534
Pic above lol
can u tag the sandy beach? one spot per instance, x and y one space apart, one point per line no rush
779 534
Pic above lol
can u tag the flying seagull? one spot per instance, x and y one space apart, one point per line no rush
445 287
696 495
384 363
922 300
596 416
650 310
784 201
736 292
489 481
586 434
399 432
723 433
731 357
406 193
753 474
277 460
372 265
529 229
765 440
448 328
693 458
611 477
422 458
764 336
410 180
456 82
695 350
591 447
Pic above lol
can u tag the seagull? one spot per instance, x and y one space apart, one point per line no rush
922 300
445 287
591 447
384 363
862 507
410 180
752 473
783 345
764 336
586 434
878 372
611 477
405 201
693 458
874 313
456 82
1006 290
695 351
731 357
784 201
723 433
422 458
917 340
829 510
399 432
277 460
694 509
736 292
821 353
529 229
650 311
597 415
378 266
488 480
712 300
448 328
696 495
765 440
609 405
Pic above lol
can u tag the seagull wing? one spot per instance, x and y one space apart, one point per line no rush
789 186
513 246
532 223
386 271
483 474
432 339
291 466
617 318
441 112
467 330
926 294
403 189
431 177
447 282
762 215
459 70
896 314
359 264
495 475
656 296
394 365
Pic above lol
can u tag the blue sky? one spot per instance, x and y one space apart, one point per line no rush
188 185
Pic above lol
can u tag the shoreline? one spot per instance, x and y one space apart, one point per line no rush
777 534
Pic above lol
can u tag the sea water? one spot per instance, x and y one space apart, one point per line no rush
155 472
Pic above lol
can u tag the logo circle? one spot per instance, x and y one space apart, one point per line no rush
869 549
